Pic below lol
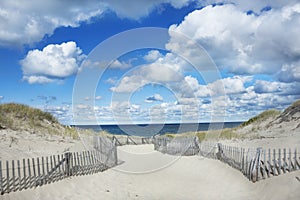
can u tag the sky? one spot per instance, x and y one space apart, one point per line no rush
140 61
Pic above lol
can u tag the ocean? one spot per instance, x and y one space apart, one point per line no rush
148 130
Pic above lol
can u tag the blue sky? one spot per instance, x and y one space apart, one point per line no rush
216 61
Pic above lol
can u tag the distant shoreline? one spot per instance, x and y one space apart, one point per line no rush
161 129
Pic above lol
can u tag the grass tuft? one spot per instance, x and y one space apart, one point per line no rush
261 117
296 103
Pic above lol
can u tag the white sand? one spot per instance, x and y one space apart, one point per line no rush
26 144
186 178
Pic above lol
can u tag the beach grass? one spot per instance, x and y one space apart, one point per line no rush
221 134
261 117
296 103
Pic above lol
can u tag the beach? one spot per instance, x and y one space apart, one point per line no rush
191 177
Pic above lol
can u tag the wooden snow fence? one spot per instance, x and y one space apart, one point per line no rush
131 140
186 146
255 163
17 175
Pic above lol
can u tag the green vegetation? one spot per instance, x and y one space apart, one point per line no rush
11 111
296 103
21 117
261 117
227 133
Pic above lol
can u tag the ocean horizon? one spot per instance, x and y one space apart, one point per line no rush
148 130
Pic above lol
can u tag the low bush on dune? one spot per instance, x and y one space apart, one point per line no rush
24 118
23 112
261 117
296 103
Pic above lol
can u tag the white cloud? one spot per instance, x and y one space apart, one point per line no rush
26 23
55 61
137 8
155 97
87 98
153 55
279 88
290 72
120 65
262 86
97 98
244 44
191 88
112 80
1 97
230 85
254 5
147 74
38 79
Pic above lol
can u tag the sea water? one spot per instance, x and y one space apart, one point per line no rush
148 130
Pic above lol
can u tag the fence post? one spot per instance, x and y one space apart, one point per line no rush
115 151
219 154
67 165
256 165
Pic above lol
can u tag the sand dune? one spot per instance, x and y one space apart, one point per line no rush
191 177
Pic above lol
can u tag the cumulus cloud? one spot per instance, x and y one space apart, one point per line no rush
290 72
279 88
120 65
240 42
37 79
55 61
155 97
28 23
152 55
257 6
154 73
137 8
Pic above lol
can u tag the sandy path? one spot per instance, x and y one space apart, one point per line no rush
185 178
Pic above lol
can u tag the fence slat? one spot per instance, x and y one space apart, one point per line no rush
43 171
290 160
34 172
47 170
1 183
13 175
284 167
24 174
29 174
19 174
7 178
39 172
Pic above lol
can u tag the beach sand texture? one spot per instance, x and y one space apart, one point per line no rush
190 177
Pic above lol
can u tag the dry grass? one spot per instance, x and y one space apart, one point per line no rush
296 103
261 117
24 118
223 134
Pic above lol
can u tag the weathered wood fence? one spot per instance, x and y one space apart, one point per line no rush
131 140
16 175
255 164
176 146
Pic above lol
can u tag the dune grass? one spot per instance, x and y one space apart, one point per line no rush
21 117
12 111
296 103
223 134
261 117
